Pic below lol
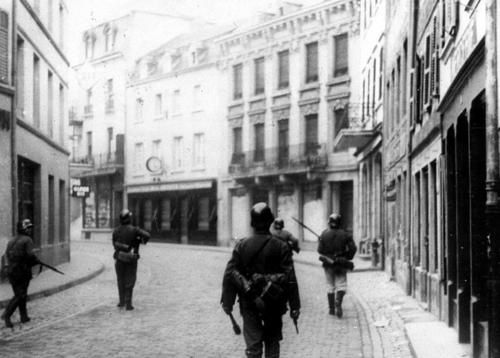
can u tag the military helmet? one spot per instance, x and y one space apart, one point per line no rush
24 225
334 220
261 216
279 223
125 216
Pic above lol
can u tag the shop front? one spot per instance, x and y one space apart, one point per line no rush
176 212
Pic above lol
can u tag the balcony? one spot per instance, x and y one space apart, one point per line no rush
353 134
74 119
100 164
88 111
294 159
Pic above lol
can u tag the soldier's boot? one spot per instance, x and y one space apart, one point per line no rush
23 312
121 302
272 349
11 306
128 299
338 303
331 303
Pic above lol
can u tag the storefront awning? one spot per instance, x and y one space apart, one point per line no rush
175 186
353 138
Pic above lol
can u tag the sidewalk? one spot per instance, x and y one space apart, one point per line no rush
81 268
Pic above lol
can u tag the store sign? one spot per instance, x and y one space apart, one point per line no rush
170 187
80 191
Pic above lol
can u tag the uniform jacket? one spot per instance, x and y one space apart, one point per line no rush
336 242
274 258
127 238
287 237
20 256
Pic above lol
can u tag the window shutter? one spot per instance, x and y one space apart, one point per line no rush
4 47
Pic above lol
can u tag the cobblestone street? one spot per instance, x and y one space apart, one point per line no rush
178 315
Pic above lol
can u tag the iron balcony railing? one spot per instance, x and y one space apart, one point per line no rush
278 160
101 161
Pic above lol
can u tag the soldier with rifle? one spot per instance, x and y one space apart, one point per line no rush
20 260
126 241
277 229
336 248
261 273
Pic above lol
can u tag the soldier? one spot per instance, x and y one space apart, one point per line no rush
277 230
260 272
126 240
20 260
336 247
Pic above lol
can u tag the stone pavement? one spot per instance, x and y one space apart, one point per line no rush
177 312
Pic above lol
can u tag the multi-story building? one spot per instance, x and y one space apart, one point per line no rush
290 82
108 53
435 163
365 134
33 107
174 133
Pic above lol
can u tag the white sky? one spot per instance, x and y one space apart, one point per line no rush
87 13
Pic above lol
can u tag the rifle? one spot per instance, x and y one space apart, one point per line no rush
305 227
49 267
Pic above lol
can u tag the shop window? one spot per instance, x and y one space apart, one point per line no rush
28 202
62 211
204 214
165 214
148 214
51 212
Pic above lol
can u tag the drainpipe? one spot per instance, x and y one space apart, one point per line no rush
13 126
492 180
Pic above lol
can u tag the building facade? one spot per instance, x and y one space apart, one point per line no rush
97 118
290 82
38 159
435 162
174 136
365 135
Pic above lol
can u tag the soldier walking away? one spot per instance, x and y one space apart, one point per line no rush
336 248
277 229
20 260
260 272
126 241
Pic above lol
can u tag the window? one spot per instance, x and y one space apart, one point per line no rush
178 153
259 75
312 62
259 142
404 74
36 91
237 157
89 145
138 157
109 105
139 108
380 73
237 81
110 141
426 72
398 89
283 69
176 102
158 105
4 47
50 15
107 39
311 134
341 59
20 75
156 148
61 113
341 119
197 97
87 110
62 20
199 150
204 213
50 104
283 138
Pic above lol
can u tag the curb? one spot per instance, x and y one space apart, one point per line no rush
56 289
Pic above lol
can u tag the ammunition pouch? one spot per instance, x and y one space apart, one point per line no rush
127 257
